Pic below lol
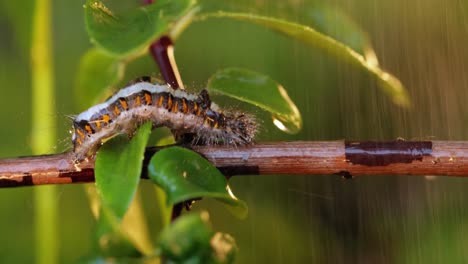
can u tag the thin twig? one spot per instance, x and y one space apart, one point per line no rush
176 211
162 51
448 158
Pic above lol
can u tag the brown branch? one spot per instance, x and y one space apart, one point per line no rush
310 158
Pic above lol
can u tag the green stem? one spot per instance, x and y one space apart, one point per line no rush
43 129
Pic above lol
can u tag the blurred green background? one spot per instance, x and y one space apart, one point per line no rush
293 219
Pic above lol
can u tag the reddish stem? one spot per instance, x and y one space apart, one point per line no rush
163 53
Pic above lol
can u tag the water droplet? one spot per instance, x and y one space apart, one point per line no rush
287 125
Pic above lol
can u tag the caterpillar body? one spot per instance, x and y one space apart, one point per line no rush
146 100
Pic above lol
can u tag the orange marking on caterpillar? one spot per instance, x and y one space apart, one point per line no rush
116 110
160 101
169 101
88 129
148 99
137 101
175 107
209 120
80 133
106 118
184 105
123 103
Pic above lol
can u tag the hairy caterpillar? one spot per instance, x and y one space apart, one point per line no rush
145 100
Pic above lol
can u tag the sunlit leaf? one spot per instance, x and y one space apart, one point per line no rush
136 226
109 238
259 90
129 33
185 175
117 172
97 72
389 84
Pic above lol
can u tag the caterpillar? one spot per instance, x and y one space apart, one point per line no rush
146 100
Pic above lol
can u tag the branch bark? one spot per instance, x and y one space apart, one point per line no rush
444 158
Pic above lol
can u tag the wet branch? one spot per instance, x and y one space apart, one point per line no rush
445 158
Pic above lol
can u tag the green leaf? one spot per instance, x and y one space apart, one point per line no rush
190 239
259 90
163 138
189 236
332 21
118 169
389 84
97 72
128 34
117 172
185 175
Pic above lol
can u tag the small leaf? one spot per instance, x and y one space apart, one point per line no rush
128 34
117 171
389 84
97 72
190 239
185 175
259 90
189 236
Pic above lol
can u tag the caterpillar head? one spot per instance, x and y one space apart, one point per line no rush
243 128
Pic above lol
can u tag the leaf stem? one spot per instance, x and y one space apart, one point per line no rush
176 211
163 53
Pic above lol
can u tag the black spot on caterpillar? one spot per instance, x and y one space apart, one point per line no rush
145 100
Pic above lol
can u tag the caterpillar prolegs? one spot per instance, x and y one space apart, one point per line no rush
146 100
